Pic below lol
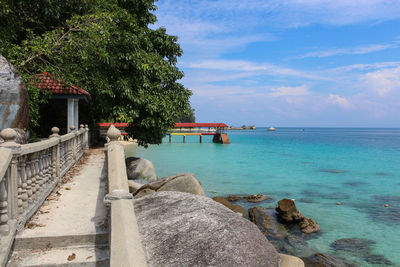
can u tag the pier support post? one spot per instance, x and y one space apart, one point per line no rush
170 138
184 138
200 138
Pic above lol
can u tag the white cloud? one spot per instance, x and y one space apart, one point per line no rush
291 91
383 81
247 66
340 100
372 66
358 50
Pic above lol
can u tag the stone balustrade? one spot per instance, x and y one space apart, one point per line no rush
28 174
125 244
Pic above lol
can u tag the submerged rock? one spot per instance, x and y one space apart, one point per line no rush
354 245
249 198
335 171
183 182
235 208
360 247
181 229
262 220
377 259
138 168
287 240
323 260
288 213
256 198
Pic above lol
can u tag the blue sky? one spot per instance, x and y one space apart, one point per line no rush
289 62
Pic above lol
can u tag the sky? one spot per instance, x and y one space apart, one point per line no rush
289 63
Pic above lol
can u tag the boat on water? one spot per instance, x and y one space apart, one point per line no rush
271 129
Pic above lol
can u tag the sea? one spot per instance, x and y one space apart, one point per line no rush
318 167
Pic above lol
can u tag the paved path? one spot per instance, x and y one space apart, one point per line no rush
73 220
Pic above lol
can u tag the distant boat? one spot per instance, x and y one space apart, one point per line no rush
271 129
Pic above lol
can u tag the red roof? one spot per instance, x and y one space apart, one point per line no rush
116 124
47 81
195 125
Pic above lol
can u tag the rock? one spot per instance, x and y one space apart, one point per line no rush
261 219
138 168
354 245
233 198
291 261
287 211
249 198
360 247
181 229
134 186
236 208
309 226
144 192
256 198
183 182
323 260
22 136
377 259
14 108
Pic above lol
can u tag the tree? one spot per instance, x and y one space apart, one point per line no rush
188 117
107 48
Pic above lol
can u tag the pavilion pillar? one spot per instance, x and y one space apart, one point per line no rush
70 112
76 113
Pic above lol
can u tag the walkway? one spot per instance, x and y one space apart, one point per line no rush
71 226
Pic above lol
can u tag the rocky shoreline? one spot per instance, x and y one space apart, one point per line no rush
284 226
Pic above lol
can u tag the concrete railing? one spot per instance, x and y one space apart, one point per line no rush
125 243
28 174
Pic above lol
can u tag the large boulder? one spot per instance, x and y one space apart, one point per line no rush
183 182
288 213
181 229
140 169
14 109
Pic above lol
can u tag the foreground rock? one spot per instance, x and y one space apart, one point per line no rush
14 109
183 182
235 208
180 229
140 169
288 213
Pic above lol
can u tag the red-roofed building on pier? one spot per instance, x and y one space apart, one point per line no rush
63 106
218 130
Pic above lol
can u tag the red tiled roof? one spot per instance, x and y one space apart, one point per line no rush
116 124
47 81
194 125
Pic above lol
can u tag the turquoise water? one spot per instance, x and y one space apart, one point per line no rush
316 166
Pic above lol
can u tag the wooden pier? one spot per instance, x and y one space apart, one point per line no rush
217 130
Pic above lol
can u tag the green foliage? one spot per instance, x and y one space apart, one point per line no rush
107 48
188 117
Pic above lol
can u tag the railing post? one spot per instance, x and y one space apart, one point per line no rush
73 141
56 163
10 194
86 136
